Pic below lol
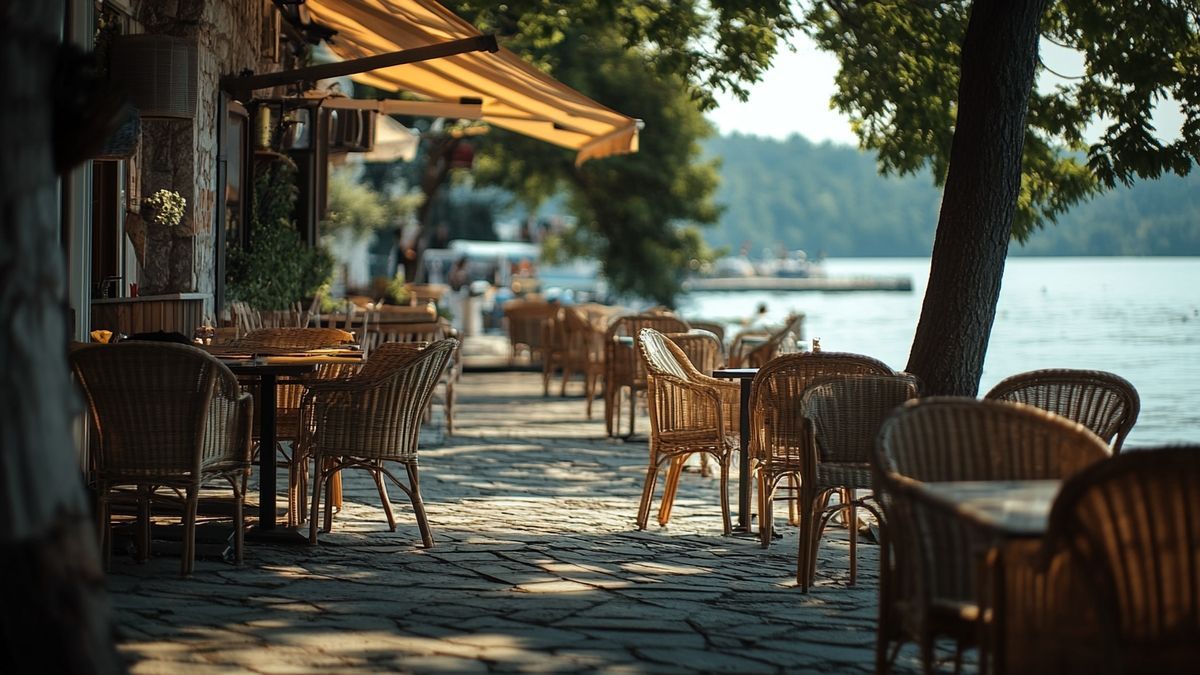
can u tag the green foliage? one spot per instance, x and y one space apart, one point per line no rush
278 268
714 45
829 199
638 214
353 205
899 83
825 199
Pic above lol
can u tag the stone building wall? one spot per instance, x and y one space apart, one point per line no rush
182 154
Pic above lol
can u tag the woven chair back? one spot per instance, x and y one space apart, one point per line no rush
703 349
1102 401
846 413
1128 527
780 432
713 327
945 438
155 407
296 338
660 356
781 341
624 366
582 344
961 439
377 414
525 320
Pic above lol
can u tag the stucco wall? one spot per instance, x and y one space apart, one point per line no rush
182 154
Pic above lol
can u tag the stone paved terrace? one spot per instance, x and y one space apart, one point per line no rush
538 567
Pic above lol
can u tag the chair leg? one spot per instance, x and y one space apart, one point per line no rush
794 507
853 522
418 505
632 407
726 528
329 486
143 523
383 498
239 519
670 485
647 494
766 517
809 530
318 483
589 390
189 530
104 527
450 408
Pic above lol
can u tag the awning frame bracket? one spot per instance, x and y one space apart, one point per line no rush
242 87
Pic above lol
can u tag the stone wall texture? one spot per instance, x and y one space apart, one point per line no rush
181 155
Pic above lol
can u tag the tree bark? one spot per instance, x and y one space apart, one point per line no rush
52 586
999 55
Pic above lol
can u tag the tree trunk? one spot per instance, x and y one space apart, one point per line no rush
999 55
433 178
55 615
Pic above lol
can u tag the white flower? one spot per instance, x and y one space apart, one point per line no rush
168 207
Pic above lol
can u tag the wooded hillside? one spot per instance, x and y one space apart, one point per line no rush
830 199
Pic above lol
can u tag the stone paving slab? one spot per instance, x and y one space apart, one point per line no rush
538 567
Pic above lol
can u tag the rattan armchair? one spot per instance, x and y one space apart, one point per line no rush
781 441
929 585
1104 402
373 418
581 350
165 416
623 367
844 415
690 412
756 355
288 394
1113 587
525 321
706 353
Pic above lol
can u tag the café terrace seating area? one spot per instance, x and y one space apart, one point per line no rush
815 510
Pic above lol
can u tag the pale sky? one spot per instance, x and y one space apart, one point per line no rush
793 97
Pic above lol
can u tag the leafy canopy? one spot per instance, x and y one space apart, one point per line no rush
658 61
899 83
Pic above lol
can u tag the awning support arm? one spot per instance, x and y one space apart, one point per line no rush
242 86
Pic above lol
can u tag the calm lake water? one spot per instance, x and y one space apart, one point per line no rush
1137 317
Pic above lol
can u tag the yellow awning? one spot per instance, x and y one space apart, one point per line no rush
515 95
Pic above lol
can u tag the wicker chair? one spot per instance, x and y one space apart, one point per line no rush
372 418
289 393
844 415
929 559
781 341
781 443
582 351
524 321
1101 401
717 329
165 416
293 339
622 366
1113 586
706 354
552 348
690 412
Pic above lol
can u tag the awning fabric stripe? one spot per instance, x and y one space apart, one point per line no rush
516 96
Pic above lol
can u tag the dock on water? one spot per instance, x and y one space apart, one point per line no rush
819 284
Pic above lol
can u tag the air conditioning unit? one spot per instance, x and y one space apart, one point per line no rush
351 130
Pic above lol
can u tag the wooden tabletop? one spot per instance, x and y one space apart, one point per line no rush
1010 508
